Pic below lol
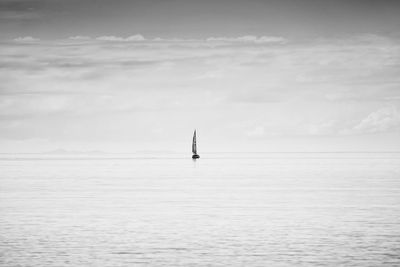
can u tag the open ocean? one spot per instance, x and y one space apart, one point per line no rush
254 209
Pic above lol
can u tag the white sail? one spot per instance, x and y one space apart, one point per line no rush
194 146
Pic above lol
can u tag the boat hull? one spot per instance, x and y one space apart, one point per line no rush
195 156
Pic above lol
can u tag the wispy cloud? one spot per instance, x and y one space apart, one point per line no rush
249 39
253 87
79 37
26 39
136 37
19 9
382 120
20 15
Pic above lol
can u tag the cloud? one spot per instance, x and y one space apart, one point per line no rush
79 37
19 9
249 39
20 15
26 39
329 127
130 85
383 120
256 132
132 38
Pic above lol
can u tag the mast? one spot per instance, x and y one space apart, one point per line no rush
194 145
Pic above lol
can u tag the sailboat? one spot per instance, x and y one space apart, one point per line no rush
194 147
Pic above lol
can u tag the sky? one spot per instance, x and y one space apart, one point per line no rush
127 76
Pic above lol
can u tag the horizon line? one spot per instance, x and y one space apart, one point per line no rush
181 152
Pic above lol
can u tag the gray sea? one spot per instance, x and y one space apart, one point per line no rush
253 209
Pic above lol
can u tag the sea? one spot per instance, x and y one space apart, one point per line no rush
224 209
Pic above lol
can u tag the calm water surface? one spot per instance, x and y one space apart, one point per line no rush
265 209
